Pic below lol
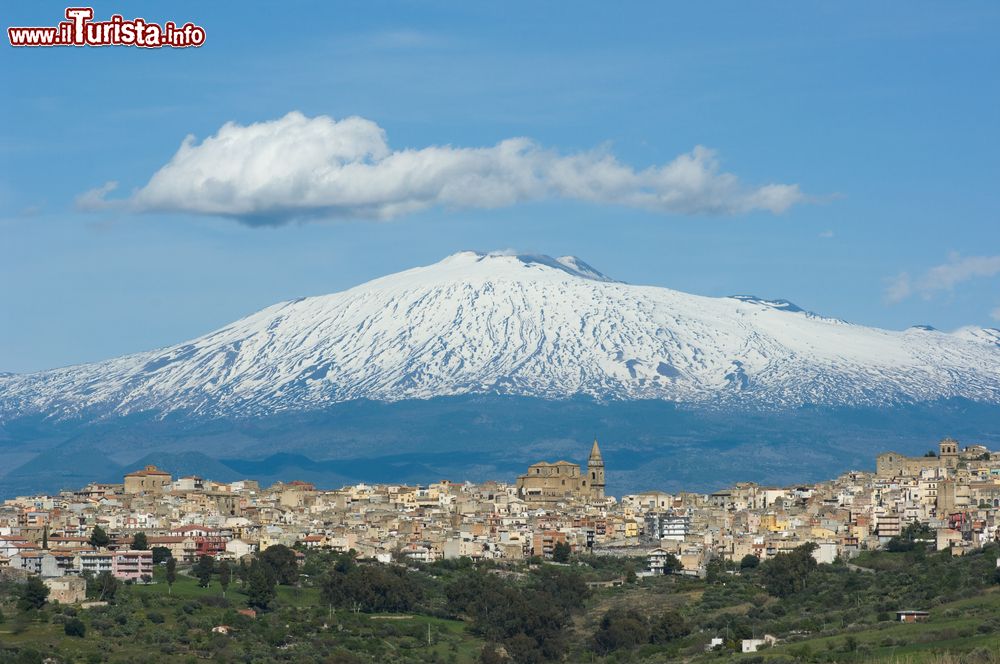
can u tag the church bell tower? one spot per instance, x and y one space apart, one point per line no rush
595 472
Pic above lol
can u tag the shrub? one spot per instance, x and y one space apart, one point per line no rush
621 630
75 627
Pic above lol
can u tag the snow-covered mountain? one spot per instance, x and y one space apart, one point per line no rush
526 325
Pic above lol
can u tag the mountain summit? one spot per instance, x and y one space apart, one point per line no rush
500 323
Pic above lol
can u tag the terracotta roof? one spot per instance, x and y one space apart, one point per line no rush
147 471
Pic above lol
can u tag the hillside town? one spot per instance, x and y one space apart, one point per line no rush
954 491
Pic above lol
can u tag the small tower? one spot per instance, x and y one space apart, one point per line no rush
948 454
595 472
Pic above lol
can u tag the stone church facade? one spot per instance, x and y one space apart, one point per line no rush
563 481
893 464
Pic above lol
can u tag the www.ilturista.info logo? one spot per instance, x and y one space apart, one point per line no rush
81 30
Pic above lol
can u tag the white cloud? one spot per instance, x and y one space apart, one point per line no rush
942 278
96 199
826 235
959 269
898 288
299 168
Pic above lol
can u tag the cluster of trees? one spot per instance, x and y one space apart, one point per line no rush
206 568
369 588
276 565
787 573
914 537
627 628
529 619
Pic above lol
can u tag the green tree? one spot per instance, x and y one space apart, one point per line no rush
225 573
914 537
45 539
102 587
33 594
560 552
75 627
204 570
259 586
160 554
140 542
749 561
98 538
241 571
283 564
171 574
621 630
788 572
672 564
667 627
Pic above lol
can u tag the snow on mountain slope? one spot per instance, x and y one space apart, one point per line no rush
526 325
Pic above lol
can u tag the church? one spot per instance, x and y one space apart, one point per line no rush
948 458
562 481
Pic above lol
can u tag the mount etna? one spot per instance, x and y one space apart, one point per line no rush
476 365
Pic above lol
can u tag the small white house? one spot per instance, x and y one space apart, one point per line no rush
752 645
237 548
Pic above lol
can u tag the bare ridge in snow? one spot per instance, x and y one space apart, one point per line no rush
504 323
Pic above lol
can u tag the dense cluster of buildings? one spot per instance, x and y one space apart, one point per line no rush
956 493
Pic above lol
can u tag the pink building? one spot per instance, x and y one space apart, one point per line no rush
132 564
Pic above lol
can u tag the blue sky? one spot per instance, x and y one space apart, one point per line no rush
883 114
